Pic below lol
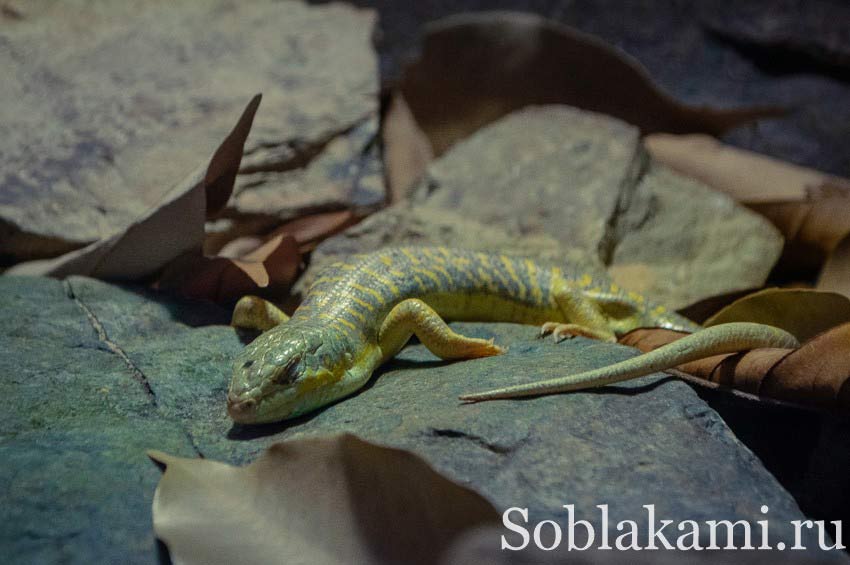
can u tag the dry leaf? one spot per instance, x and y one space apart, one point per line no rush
272 267
172 229
703 309
311 230
748 177
476 68
810 208
835 275
240 246
803 313
407 151
818 371
325 500
817 374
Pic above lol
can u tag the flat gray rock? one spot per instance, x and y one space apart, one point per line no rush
551 170
99 373
106 106
347 173
691 242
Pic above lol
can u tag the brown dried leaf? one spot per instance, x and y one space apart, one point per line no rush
746 176
476 68
835 275
240 246
325 500
311 230
703 309
816 374
269 269
407 150
802 312
742 371
170 230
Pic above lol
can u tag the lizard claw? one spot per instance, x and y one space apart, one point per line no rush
561 332
547 328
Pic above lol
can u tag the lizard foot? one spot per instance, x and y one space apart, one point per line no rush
254 313
561 331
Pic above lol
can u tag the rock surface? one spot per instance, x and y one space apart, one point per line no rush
347 173
100 373
795 35
106 106
584 181
692 243
551 170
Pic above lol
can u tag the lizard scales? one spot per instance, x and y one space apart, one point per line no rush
359 313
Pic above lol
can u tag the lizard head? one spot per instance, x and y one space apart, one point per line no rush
287 371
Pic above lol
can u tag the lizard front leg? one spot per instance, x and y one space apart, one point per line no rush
413 316
254 313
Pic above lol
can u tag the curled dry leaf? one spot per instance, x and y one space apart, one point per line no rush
835 275
476 68
272 267
326 500
311 230
171 230
810 208
703 309
818 371
407 150
802 312
816 374
747 176
232 237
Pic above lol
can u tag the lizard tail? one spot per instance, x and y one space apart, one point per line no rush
715 340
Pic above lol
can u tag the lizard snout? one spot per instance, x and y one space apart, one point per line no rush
241 411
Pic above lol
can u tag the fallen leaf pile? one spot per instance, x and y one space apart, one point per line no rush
817 374
335 499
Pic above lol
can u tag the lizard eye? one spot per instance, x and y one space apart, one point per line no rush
247 363
288 372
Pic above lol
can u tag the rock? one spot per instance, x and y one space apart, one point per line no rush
347 173
693 242
551 170
792 37
99 373
77 483
106 107
583 182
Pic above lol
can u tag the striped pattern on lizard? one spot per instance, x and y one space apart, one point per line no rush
359 313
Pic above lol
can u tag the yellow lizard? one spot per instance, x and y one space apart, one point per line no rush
360 313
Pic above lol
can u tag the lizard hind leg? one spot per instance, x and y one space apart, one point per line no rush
561 331
413 316
254 313
582 316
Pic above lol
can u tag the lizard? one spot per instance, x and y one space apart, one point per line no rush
359 313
